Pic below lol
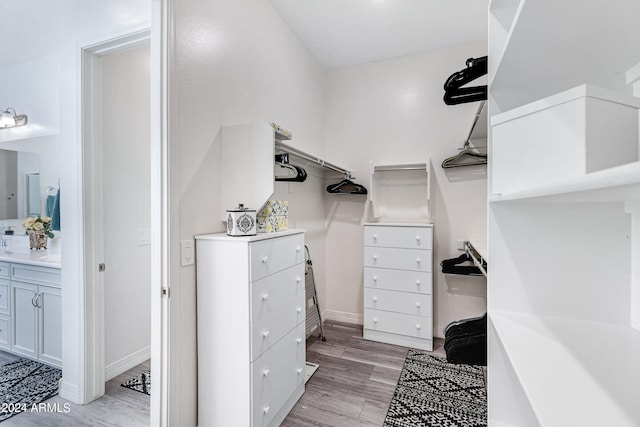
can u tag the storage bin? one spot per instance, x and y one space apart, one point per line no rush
273 216
570 134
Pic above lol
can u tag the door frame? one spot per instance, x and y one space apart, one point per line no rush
93 336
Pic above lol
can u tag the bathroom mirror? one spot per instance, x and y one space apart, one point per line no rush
20 193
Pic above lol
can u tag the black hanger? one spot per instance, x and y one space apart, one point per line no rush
299 174
346 187
452 266
465 158
456 94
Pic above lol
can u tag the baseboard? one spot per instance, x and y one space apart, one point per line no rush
342 316
116 368
69 391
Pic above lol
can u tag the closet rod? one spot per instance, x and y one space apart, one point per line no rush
298 153
418 167
478 259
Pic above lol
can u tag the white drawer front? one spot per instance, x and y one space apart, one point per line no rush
35 274
4 332
402 259
4 270
398 237
277 306
398 323
4 296
276 375
399 302
398 280
273 255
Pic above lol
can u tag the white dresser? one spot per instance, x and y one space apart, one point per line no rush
398 282
251 327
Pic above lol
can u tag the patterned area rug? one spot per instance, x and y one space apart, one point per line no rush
434 393
141 383
24 383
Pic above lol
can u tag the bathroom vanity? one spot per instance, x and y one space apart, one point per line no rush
30 304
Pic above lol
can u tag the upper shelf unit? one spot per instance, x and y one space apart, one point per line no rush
568 50
400 192
247 167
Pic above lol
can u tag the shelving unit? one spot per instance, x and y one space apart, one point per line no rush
564 284
400 193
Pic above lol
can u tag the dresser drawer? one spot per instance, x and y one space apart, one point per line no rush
402 259
4 332
398 323
420 282
398 237
277 306
276 375
4 270
272 255
4 296
399 302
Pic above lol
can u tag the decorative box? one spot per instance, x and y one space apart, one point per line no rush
273 216
241 221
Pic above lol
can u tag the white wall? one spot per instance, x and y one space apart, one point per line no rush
232 62
126 202
392 112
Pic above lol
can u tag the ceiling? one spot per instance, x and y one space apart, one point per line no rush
340 33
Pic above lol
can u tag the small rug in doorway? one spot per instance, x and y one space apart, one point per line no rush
434 393
141 383
24 383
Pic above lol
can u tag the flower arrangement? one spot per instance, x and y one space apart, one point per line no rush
39 223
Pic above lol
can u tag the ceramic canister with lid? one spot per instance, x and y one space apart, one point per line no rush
241 221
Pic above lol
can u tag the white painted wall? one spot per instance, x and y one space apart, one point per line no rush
232 62
392 112
126 204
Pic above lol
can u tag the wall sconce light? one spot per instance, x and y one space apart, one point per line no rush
9 119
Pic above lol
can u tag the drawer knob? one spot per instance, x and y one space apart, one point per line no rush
299 371
375 320
298 279
375 237
265 334
418 238
298 249
375 257
299 309
418 326
418 304
265 259
265 372
418 260
266 410
375 299
375 278
299 340
418 282
265 297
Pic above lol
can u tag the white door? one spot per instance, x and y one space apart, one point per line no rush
49 325
25 316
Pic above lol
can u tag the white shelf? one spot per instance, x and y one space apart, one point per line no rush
612 185
574 373
553 46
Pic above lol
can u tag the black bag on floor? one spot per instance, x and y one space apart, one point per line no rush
466 341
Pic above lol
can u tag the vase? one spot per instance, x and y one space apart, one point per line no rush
37 239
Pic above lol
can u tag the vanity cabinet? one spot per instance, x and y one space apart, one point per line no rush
251 327
35 313
398 302
4 306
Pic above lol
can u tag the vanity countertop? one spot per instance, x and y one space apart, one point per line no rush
43 258
17 250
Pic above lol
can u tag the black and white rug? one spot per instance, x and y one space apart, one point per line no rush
434 393
25 383
141 383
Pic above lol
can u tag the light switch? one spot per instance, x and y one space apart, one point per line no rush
187 255
144 236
